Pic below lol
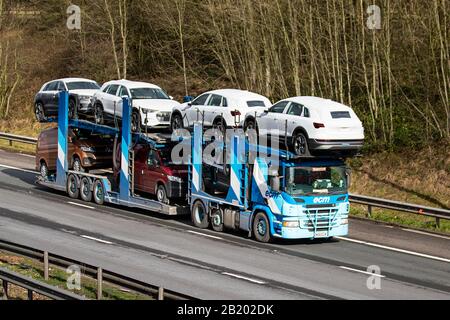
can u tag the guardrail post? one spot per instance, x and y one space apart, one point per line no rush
30 295
46 265
99 283
438 223
10 143
160 293
369 212
5 289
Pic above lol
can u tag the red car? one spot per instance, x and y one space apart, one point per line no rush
155 175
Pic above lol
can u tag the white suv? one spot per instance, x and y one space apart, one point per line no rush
219 108
310 124
151 105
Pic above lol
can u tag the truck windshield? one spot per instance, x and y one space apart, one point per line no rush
316 180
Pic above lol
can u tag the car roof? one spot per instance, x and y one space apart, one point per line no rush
237 94
73 80
132 84
317 103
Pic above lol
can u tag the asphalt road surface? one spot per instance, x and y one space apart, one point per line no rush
209 265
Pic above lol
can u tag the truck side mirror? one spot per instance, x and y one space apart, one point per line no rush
275 184
348 173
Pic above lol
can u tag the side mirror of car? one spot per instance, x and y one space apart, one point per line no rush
266 111
171 98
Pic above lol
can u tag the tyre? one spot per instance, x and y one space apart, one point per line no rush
72 107
221 126
261 228
39 112
99 192
161 194
135 121
43 169
85 190
300 145
98 114
176 122
72 187
250 125
199 215
217 220
77 167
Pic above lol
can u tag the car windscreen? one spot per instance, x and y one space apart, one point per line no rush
148 93
82 85
256 103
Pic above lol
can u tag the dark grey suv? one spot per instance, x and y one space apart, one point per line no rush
80 94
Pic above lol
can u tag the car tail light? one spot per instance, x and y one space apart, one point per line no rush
318 125
236 113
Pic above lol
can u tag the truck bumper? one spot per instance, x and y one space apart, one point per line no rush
298 233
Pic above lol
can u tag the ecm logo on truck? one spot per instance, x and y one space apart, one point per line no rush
302 198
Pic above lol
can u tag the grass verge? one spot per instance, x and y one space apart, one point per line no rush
401 219
58 277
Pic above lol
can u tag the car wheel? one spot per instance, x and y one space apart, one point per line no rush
217 220
98 114
99 192
77 165
72 187
39 112
72 106
85 190
221 126
300 145
261 228
135 122
161 194
177 122
44 170
199 215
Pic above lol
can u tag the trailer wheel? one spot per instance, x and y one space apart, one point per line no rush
217 220
72 187
44 170
99 192
261 228
199 215
85 190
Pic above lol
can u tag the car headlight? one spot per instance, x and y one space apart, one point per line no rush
175 179
85 97
88 149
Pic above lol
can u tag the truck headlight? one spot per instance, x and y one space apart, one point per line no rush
344 221
291 224
175 179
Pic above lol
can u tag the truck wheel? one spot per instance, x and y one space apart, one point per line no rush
161 194
217 220
261 228
99 192
199 215
72 187
85 190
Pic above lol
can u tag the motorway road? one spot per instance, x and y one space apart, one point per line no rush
209 265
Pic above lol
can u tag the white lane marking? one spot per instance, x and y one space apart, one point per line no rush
361 271
395 249
95 239
204 235
427 234
81 205
243 278
17 169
